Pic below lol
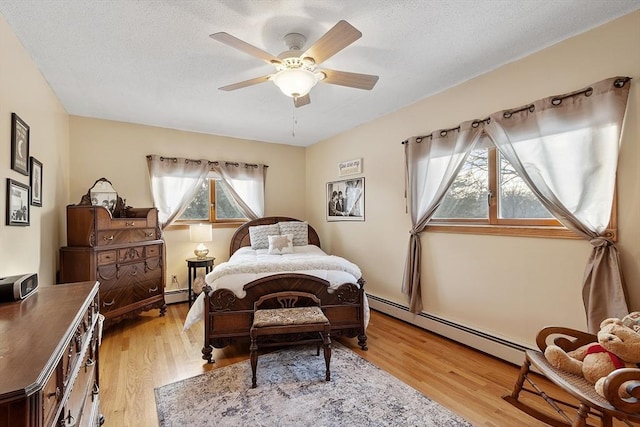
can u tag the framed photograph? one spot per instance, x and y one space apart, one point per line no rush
19 145
17 203
350 167
35 179
345 200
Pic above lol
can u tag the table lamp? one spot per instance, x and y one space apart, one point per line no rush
201 233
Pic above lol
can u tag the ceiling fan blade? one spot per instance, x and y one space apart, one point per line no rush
356 80
235 42
333 41
246 83
301 101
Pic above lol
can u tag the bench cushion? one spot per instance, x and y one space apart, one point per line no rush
288 316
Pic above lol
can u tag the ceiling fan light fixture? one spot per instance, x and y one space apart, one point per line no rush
295 82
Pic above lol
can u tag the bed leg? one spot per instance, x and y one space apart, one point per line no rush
362 341
206 353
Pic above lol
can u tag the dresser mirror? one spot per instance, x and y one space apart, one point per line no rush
103 194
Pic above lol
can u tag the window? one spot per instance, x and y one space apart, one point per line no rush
213 203
489 197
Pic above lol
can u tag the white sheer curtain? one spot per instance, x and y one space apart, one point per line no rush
566 149
174 182
432 163
245 183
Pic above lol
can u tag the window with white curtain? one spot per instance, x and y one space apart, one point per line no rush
488 196
213 203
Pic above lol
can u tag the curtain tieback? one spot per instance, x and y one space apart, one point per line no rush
414 233
600 241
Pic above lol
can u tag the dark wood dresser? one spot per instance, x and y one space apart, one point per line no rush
49 358
125 254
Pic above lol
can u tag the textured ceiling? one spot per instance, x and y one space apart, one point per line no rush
153 63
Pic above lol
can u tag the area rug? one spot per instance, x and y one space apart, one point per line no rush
292 392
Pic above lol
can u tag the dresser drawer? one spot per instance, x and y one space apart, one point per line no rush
106 274
153 251
117 237
51 396
115 299
81 392
147 289
106 257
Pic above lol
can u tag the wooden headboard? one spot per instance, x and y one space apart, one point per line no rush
241 236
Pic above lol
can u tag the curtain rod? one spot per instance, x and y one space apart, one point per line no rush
175 159
556 100
444 132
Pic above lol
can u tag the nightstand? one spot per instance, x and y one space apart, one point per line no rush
193 264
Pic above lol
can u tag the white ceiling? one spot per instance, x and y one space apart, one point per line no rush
152 61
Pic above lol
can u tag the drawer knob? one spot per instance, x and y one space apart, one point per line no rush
107 238
108 304
54 393
153 289
90 363
149 234
70 420
130 223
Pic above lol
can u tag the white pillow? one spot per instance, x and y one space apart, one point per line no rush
281 244
299 229
259 235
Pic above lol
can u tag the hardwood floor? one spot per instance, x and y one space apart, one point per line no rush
140 354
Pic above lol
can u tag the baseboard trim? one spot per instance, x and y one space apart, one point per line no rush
485 342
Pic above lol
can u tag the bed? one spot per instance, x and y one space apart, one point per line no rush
228 311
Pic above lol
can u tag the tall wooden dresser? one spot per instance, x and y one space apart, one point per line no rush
49 373
125 254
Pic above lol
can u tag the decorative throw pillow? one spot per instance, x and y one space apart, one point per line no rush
281 244
259 235
299 229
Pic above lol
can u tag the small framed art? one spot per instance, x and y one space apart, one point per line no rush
17 203
350 167
345 200
19 145
35 178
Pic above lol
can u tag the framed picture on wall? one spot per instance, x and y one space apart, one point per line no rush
35 178
345 200
19 145
17 203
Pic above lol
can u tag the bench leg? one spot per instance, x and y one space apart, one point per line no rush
253 348
326 342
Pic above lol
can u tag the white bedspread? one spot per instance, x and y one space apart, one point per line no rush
247 265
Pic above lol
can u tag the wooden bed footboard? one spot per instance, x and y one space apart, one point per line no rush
229 318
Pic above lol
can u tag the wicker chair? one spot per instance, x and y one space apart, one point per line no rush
289 318
590 405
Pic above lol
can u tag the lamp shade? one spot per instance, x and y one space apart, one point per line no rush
200 233
295 82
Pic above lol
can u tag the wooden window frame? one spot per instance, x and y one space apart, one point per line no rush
493 225
215 222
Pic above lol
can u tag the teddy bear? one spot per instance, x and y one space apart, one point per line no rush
618 346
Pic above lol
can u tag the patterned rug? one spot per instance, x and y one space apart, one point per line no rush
292 392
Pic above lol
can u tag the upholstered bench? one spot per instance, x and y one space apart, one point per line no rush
291 322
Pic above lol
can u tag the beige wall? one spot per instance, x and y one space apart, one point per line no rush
23 90
507 286
117 151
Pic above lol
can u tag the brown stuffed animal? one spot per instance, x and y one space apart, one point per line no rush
618 346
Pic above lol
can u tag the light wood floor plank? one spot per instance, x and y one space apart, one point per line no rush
140 354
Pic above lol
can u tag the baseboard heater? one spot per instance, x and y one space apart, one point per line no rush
487 343
173 296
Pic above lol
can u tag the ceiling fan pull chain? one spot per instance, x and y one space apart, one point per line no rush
294 121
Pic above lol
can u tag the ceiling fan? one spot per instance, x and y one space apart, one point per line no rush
297 72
